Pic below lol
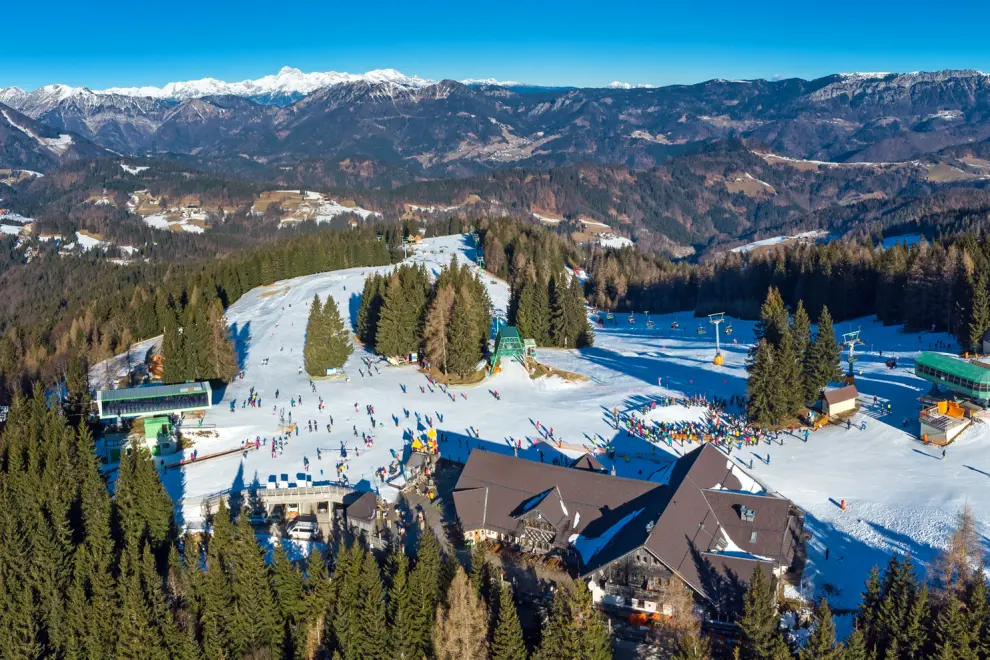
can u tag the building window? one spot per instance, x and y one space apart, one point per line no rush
752 537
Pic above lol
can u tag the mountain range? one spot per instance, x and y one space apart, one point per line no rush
383 128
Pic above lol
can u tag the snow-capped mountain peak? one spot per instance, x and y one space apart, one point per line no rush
616 84
493 81
288 81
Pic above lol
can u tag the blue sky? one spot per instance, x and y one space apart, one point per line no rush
570 43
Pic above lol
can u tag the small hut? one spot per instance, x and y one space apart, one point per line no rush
839 401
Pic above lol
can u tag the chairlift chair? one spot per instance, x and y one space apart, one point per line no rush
702 330
675 325
728 329
632 319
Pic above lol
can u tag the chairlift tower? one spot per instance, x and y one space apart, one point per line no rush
850 340
715 319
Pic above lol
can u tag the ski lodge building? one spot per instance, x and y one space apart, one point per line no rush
154 405
709 526
960 392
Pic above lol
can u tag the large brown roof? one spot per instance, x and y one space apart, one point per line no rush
494 490
694 524
701 535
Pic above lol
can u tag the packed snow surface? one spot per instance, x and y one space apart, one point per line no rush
899 496
804 236
15 217
133 169
614 241
89 242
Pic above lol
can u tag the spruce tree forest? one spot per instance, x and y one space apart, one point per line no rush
448 321
90 575
941 285
87 575
789 368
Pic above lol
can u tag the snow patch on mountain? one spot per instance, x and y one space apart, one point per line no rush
133 169
59 144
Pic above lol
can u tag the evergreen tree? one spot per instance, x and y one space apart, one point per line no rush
507 641
396 334
979 315
542 312
763 388
773 323
339 346
220 353
801 330
425 585
978 613
790 389
347 600
287 587
174 369
759 627
252 624
402 609
369 311
461 627
589 630
370 641
463 351
317 604
826 353
532 311
141 640
556 633
869 605
316 350
77 389
559 330
821 643
577 316
479 569
855 646
952 632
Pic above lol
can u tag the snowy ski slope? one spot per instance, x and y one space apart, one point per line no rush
900 496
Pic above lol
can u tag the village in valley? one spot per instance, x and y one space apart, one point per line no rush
628 464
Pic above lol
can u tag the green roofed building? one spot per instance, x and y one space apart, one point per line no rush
152 400
968 378
158 435
508 345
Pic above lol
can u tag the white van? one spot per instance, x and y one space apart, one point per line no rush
302 530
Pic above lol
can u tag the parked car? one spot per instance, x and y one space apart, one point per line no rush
258 517
302 530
